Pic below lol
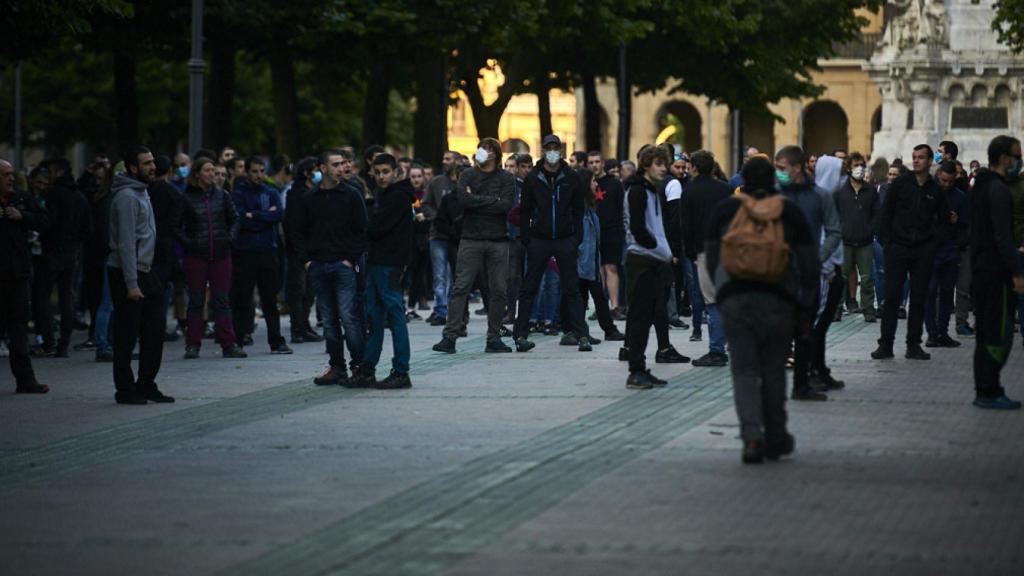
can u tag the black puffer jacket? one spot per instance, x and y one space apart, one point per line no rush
70 218
15 258
209 223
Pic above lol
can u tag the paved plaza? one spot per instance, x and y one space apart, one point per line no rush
538 463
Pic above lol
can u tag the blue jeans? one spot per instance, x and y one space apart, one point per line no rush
103 314
384 298
547 307
878 272
442 275
693 290
715 331
337 302
938 306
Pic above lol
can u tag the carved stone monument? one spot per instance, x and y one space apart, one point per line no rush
943 75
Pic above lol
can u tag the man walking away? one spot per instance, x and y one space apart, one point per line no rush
998 271
390 231
759 311
137 292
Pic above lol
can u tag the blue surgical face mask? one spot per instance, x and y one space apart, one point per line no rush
938 157
783 177
552 156
317 176
183 171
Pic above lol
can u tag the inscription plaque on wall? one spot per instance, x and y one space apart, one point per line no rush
970 117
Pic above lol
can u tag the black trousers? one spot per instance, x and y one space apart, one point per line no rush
538 252
802 349
61 275
993 330
648 280
137 321
593 289
14 307
901 261
418 276
300 296
820 331
262 271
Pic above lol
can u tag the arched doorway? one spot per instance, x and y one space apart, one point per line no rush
679 122
515 145
824 128
876 122
759 132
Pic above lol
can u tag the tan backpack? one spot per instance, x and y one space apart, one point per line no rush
754 247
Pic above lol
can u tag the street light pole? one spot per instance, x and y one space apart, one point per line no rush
17 116
625 107
196 66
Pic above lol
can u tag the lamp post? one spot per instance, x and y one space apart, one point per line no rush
625 107
196 66
17 116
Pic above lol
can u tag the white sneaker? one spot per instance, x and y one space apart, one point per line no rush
4 351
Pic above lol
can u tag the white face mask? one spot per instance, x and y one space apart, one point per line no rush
858 172
481 155
552 156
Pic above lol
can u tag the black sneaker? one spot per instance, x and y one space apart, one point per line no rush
753 452
808 394
639 381
552 329
497 347
132 398
686 311
412 315
41 352
902 314
395 381
233 351
670 356
584 344
826 382
61 352
618 315
915 352
883 352
247 340
657 382
524 345
281 348
712 360
931 343
480 312
330 376
439 321
155 395
678 323
614 336
504 332
696 337
431 318
870 315
87 346
191 353
104 356
446 345
569 339
31 387
362 377
774 449
946 342
623 354
297 339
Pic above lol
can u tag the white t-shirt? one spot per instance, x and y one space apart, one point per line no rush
673 190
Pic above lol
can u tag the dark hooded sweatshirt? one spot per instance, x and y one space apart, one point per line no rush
991 209
551 205
390 228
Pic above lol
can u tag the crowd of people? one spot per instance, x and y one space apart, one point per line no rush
158 248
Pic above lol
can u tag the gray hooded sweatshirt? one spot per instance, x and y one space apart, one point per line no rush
132 229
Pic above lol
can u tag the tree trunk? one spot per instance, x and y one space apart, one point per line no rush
286 109
544 104
591 113
126 104
222 90
375 105
430 139
625 107
487 118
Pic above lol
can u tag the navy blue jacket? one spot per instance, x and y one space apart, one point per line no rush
258 233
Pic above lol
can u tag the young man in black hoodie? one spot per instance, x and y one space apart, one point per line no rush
998 270
551 214
760 317
390 231
610 198
20 213
329 236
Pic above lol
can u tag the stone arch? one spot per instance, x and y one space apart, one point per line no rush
515 145
686 120
825 127
979 95
876 121
1002 95
759 132
957 94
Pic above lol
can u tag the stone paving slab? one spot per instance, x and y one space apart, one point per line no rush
503 464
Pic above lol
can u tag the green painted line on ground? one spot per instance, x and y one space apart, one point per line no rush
436 524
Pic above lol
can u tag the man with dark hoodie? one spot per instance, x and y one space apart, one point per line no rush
551 214
329 237
913 214
998 270
759 317
255 253
485 196
939 306
20 214
70 227
137 293
390 231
